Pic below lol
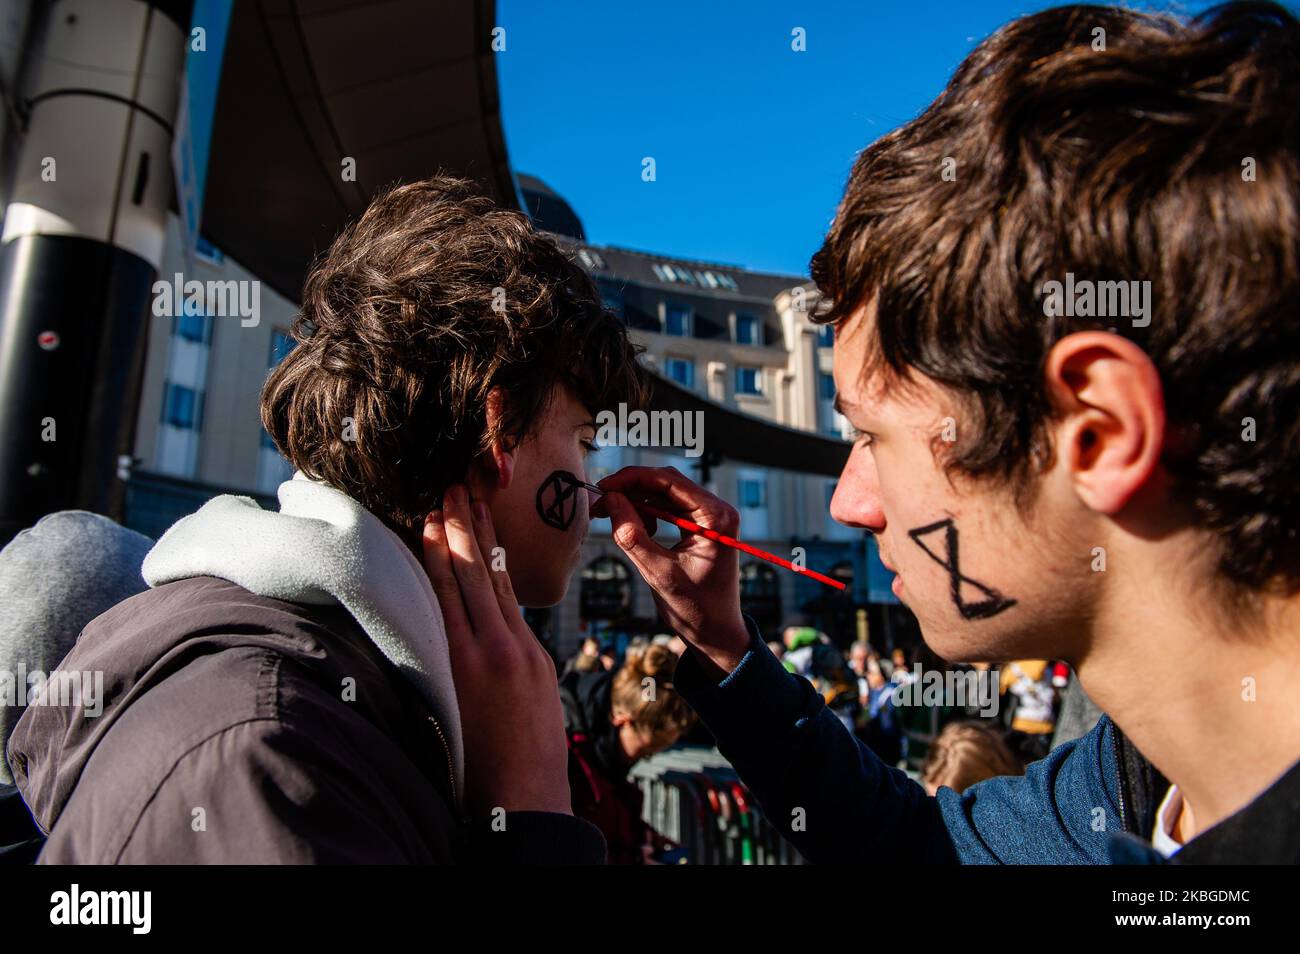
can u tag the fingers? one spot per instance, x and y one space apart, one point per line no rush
486 537
472 575
683 495
600 508
437 564
632 537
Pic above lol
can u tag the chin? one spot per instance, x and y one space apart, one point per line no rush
975 643
543 593
991 641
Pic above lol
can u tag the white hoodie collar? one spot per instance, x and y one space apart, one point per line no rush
324 548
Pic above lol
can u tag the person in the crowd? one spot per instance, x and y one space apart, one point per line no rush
859 655
636 647
877 723
613 720
1032 700
55 577
778 650
967 752
799 642
586 659
811 654
350 679
887 666
1012 428
899 671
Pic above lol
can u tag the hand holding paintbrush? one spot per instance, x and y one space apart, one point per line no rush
692 527
696 583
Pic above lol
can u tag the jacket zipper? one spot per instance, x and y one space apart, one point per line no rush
1119 769
451 775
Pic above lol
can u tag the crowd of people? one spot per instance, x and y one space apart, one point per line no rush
613 719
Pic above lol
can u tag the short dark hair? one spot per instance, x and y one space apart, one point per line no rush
424 304
1126 163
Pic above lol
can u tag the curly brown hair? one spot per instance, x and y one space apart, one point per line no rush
423 305
1119 164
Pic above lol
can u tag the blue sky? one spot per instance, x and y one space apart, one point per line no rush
752 141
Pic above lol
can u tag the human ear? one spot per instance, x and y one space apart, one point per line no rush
1110 409
500 460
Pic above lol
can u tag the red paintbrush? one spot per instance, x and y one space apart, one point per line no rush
692 527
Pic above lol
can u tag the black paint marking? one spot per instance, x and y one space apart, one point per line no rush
557 499
982 609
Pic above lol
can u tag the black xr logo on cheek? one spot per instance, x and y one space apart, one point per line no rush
557 499
993 602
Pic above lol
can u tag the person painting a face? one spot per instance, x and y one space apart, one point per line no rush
1102 495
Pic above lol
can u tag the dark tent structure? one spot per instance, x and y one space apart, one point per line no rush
401 88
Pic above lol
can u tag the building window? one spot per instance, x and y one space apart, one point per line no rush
192 324
681 370
749 380
752 492
183 407
748 330
612 295
826 336
677 321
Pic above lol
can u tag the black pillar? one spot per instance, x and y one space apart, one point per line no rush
83 237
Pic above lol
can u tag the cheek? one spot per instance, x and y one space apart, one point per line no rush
564 455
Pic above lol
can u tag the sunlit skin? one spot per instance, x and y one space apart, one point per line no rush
892 484
1149 636
540 559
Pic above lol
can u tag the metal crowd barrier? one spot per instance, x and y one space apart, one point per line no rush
694 797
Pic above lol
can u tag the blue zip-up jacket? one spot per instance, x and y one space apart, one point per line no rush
837 802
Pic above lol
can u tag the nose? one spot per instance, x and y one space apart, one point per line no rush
856 502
